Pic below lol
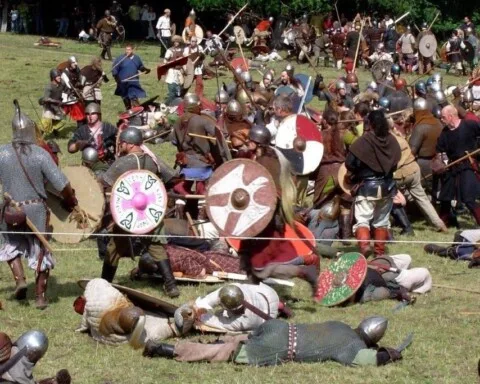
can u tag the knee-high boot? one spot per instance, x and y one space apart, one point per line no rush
19 275
41 281
401 218
362 234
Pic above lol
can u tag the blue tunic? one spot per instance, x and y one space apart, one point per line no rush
128 67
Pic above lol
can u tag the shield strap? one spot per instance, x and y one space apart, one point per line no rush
257 311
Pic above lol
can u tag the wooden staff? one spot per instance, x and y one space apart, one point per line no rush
467 156
456 289
191 223
362 23
207 137
156 136
435 19
243 56
338 15
188 197
234 17
9 200
134 76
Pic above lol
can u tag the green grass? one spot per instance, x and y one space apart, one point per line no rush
445 347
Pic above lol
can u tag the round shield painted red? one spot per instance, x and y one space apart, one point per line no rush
300 140
138 201
129 113
240 62
303 244
341 280
241 198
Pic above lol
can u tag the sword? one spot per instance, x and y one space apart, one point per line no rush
304 95
401 17
405 343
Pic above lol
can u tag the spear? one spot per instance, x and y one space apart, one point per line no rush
467 156
233 18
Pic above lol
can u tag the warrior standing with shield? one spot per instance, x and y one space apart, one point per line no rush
24 168
53 115
125 71
196 55
73 82
133 157
174 78
106 28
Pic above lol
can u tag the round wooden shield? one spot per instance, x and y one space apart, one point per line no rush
241 198
343 181
341 280
304 80
286 90
138 201
188 74
90 199
240 62
303 244
381 69
129 113
427 45
300 140
239 34
198 34
260 49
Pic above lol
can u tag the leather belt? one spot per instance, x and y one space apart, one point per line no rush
292 342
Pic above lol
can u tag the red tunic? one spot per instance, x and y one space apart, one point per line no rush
263 26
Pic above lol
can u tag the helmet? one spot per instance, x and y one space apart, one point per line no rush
424 25
234 108
54 73
437 111
93 108
437 78
222 97
440 97
373 86
375 23
260 134
400 84
380 47
148 134
395 69
231 297
384 103
5 347
72 60
429 82
89 155
420 104
246 77
340 84
290 69
238 71
22 126
107 13
468 31
435 87
36 343
373 328
242 97
420 87
192 12
184 318
131 135
190 101
351 78
270 19
468 96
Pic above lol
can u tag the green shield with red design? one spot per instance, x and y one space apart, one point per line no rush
341 280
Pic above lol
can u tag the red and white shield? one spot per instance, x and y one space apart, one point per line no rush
239 62
138 201
241 198
300 140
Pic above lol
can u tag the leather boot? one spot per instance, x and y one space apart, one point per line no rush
41 281
362 234
108 271
20 283
435 249
345 225
381 236
401 218
147 264
153 349
170 285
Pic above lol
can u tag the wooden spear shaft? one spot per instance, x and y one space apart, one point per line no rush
234 17
456 289
358 45
468 155
207 137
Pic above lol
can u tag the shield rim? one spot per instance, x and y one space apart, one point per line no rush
421 46
360 258
163 190
377 63
169 308
268 216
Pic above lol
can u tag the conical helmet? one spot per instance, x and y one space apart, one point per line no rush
22 126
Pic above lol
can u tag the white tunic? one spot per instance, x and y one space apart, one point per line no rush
163 26
261 296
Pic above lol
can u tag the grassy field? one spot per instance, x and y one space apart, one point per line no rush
446 346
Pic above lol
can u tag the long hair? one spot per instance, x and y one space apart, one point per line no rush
288 194
352 126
